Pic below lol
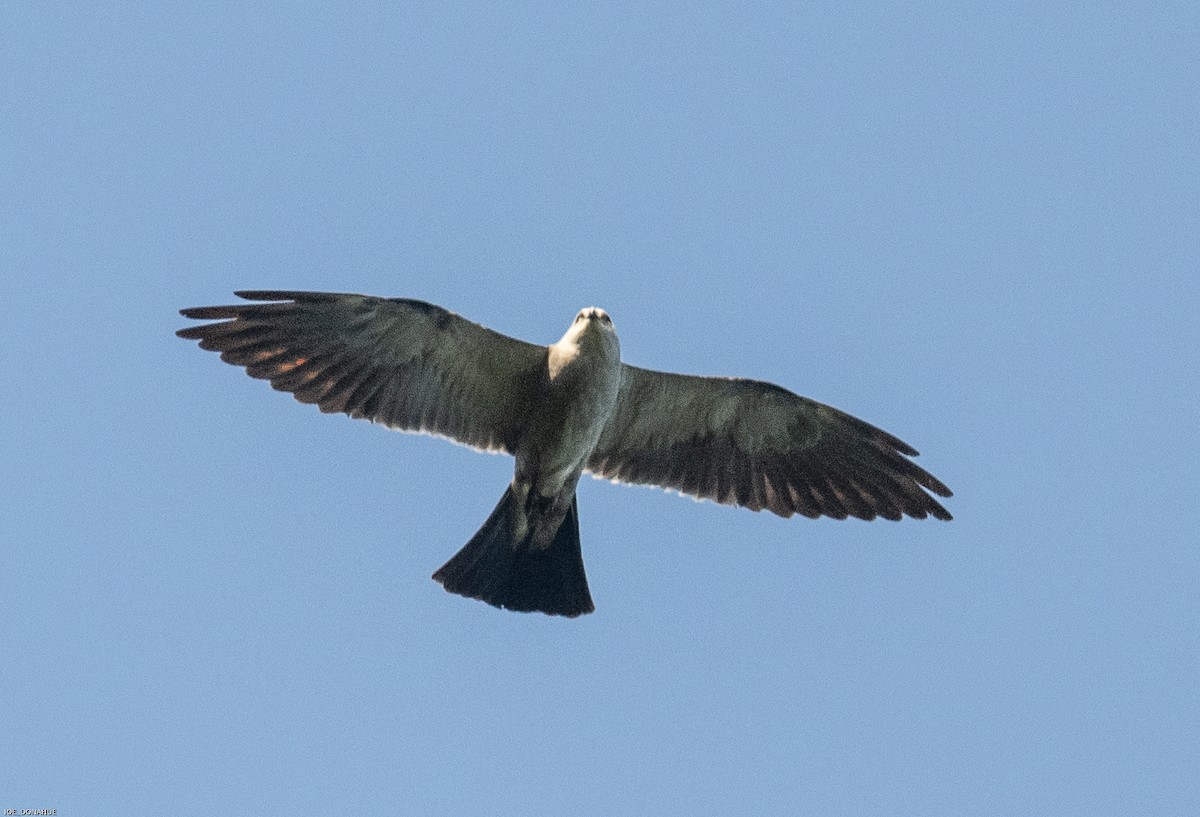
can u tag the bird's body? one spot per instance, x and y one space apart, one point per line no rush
583 378
562 410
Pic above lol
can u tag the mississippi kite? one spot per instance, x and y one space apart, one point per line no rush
562 410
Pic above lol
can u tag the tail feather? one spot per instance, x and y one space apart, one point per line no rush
496 568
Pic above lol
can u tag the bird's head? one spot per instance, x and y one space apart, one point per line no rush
590 326
594 315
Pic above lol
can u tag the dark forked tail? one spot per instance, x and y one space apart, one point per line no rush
497 568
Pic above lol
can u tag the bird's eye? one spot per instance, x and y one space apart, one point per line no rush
606 319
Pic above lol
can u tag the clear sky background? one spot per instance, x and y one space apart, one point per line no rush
975 227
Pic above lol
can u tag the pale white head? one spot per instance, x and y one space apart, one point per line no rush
594 314
592 325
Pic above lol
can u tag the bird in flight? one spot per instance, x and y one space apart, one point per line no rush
562 410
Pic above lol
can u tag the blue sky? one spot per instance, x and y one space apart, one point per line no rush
975 227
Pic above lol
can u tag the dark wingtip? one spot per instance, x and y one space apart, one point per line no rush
285 295
208 313
936 485
932 483
263 295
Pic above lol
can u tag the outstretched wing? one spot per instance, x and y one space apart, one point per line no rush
407 364
754 444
